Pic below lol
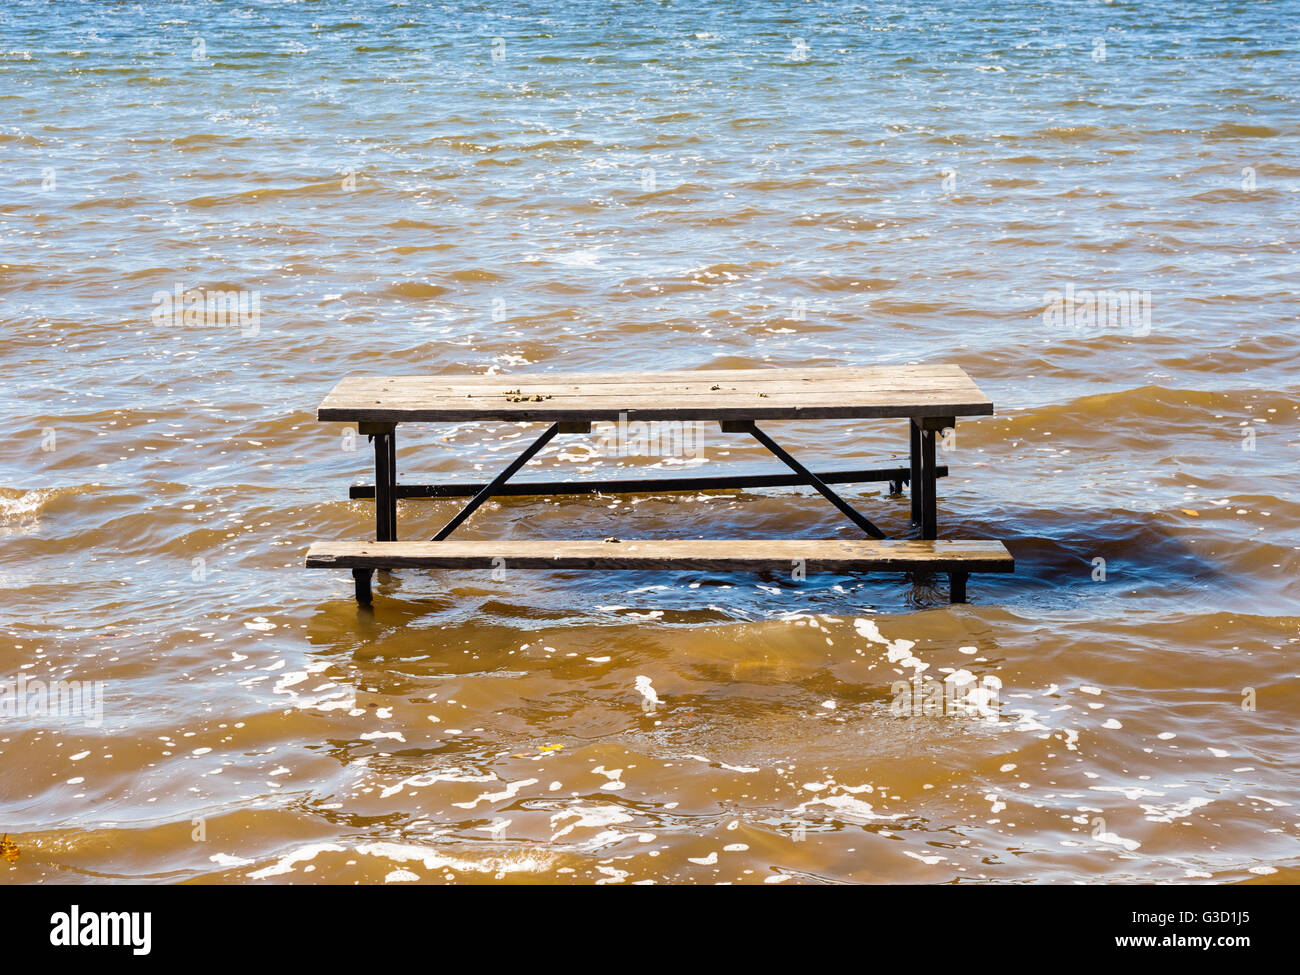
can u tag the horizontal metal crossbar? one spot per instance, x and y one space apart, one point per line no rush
648 485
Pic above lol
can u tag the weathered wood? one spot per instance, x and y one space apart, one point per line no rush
716 381
760 374
650 409
960 555
746 394
645 485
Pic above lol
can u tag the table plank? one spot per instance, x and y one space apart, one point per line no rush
871 391
964 555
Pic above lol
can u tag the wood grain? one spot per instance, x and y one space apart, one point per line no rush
964 555
822 393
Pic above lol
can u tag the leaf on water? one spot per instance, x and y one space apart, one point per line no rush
541 750
8 849
1189 511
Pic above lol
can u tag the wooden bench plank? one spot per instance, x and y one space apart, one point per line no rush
944 555
748 381
598 383
826 393
650 410
362 387
764 374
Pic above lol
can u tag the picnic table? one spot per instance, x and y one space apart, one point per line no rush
929 397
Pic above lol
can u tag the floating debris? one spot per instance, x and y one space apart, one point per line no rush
541 750
515 396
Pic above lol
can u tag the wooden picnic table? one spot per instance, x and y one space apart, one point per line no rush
930 397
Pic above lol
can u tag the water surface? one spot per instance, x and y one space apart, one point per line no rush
611 187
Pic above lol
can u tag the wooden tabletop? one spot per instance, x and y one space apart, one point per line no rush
710 394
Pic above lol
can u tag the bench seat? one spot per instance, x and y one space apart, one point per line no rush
957 557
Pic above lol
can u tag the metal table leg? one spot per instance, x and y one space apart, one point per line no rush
384 436
929 499
925 472
392 485
915 485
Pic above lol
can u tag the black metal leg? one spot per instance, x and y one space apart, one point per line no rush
392 485
957 587
384 500
497 481
917 484
929 501
362 579
816 482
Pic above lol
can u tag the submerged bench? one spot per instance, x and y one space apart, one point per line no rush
957 558
929 397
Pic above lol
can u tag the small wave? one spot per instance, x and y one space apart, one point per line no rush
416 289
268 194
1227 131
1075 133
476 276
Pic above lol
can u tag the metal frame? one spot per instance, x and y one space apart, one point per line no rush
925 471
496 482
812 480
920 475
896 476
384 437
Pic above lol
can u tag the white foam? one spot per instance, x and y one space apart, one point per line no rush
1115 840
930 860
287 862
508 793
647 692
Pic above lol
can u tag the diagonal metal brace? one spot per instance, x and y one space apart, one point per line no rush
813 480
491 488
